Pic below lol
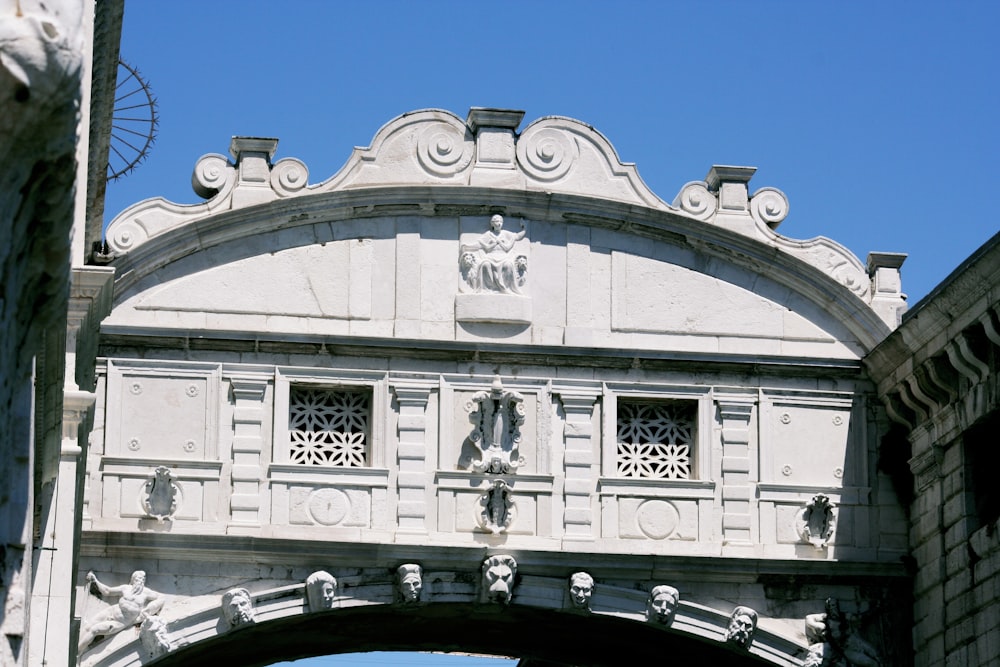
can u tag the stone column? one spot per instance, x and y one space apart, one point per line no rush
248 443
411 478
737 487
580 486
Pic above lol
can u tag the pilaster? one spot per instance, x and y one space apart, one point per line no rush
735 413
411 481
248 444
578 465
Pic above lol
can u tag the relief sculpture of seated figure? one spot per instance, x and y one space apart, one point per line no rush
489 263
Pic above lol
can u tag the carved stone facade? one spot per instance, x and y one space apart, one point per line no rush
368 381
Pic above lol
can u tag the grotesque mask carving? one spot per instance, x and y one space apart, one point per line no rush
410 582
237 608
499 573
742 624
581 588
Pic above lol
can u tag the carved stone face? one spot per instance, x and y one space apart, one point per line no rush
321 589
237 607
410 586
581 588
498 578
662 604
496 223
742 624
138 580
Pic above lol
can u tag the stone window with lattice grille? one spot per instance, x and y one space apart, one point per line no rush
329 426
656 440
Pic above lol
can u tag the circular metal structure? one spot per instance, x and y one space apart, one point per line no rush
133 122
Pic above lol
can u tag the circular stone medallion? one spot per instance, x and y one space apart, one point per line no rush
328 506
657 519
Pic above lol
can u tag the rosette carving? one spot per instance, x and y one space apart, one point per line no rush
212 174
696 200
443 149
769 206
547 154
288 176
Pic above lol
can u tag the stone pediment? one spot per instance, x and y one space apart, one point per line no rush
431 164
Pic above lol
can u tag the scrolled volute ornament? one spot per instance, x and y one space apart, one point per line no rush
547 154
769 206
697 200
213 174
288 176
444 150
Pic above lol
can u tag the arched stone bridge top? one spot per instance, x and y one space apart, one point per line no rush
485 153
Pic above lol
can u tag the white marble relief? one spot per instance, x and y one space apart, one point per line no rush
742 625
409 582
817 521
160 495
321 590
490 264
497 508
581 589
237 608
155 639
499 577
135 604
834 640
497 416
661 606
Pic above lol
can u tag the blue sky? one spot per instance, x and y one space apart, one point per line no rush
877 120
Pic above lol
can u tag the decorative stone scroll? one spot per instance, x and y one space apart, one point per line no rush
742 625
497 416
321 589
498 509
817 521
409 582
661 606
499 577
237 608
160 495
136 603
581 589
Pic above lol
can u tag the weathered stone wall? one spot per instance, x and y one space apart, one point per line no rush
41 57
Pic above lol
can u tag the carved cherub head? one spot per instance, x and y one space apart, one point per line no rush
662 604
237 608
581 588
410 581
321 589
498 578
742 624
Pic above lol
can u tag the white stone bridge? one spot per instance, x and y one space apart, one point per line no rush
495 357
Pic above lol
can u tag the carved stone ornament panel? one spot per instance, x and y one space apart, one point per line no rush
237 608
742 625
155 639
499 578
321 590
497 416
161 495
817 521
498 509
661 606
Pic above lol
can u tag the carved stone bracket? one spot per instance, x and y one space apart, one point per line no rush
497 416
